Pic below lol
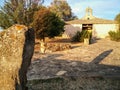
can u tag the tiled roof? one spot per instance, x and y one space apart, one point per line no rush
92 21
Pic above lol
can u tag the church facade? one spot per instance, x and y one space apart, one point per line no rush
100 27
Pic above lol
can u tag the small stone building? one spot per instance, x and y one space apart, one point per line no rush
100 27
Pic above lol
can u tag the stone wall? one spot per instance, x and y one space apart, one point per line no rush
70 30
53 47
16 50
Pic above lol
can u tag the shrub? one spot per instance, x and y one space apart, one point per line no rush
76 37
79 36
114 35
85 34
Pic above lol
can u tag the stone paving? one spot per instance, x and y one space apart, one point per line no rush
100 59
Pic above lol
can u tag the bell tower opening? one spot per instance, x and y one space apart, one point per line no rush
89 12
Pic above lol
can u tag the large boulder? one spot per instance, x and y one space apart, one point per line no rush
16 50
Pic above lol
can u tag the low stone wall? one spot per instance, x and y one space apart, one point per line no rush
16 50
57 46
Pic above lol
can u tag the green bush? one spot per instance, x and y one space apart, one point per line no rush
76 37
79 36
115 36
85 34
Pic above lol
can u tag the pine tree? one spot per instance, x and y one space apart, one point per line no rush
18 12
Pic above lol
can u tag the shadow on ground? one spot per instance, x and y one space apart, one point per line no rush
57 74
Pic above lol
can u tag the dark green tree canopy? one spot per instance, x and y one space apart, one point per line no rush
47 24
62 9
18 12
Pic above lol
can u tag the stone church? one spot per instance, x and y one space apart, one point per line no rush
100 27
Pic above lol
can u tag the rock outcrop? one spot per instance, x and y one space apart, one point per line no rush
16 50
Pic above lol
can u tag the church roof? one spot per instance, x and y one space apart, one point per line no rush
90 19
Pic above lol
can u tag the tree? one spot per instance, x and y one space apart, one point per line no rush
62 9
117 18
47 24
18 12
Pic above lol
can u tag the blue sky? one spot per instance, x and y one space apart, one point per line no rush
107 9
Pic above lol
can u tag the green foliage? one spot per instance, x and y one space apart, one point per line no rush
62 9
4 21
117 18
87 34
79 36
47 24
18 12
115 36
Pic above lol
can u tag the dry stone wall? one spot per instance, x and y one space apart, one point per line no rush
58 46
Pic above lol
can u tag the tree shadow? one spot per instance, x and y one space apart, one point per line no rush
52 66
49 66
100 57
